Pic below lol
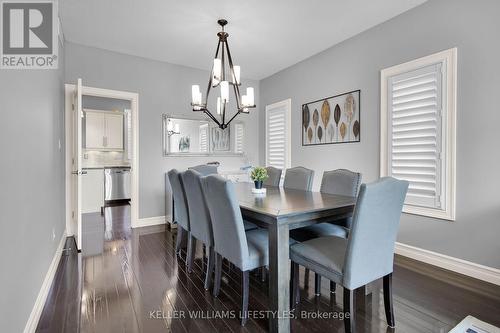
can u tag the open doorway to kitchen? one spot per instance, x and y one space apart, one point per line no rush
101 164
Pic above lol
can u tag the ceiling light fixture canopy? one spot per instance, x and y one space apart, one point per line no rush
219 78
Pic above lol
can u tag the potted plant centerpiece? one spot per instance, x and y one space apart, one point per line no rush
258 175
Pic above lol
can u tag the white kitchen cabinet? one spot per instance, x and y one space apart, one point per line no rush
94 130
114 131
92 190
103 130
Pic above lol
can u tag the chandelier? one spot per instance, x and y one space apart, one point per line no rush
224 74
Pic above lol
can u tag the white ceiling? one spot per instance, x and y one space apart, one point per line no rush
265 36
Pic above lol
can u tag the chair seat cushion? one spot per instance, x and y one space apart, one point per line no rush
249 225
321 254
258 249
318 230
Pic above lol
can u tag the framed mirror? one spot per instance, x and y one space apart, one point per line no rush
184 136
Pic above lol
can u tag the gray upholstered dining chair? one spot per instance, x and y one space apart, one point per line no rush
274 176
200 223
205 169
368 252
338 182
299 178
246 250
181 214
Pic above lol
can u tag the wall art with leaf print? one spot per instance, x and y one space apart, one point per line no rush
335 119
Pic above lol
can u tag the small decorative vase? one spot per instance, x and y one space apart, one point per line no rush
258 184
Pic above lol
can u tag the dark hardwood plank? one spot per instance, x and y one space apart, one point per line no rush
61 312
137 271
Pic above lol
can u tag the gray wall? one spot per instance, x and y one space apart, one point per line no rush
162 88
31 186
472 27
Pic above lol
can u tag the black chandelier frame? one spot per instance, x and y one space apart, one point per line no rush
223 49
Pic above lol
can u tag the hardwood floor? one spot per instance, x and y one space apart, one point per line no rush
131 281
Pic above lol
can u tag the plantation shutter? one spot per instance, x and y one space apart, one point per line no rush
239 130
415 142
276 137
204 138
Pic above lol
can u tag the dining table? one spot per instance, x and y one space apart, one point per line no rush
280 210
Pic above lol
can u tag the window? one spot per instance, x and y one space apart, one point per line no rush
204 138
239 135
418 120
278 134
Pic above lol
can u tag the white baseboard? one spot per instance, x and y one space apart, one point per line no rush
481 272
36 312
148 221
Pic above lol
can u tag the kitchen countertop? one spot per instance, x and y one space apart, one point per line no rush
106 167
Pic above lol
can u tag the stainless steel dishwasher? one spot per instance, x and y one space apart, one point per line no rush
117 183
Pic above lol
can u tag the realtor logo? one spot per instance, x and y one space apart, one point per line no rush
29 35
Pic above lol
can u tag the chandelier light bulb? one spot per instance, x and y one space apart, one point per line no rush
237 73
224 91
244 100
250 96
196 94
217 71
218 106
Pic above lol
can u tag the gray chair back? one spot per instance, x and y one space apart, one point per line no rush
274 176
199 216
205 169
341 182
227 223
370 247
181 215
299 178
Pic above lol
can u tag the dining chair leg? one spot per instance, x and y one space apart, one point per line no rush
389 311
190 252
317 284
244 302
210 268
204 247
178 242
349 310
306 278
218 272
295 288
333 287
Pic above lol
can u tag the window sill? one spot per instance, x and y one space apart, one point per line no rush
430 212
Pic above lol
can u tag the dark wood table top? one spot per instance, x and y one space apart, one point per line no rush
279 202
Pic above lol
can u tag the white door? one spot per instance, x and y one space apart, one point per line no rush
77 162
114 131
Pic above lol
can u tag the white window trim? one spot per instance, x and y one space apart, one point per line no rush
235 139
287 103
449 128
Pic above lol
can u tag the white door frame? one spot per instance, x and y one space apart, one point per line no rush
106 93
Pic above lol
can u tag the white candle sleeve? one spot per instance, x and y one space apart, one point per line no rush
237 72
250 96
224 91
217 69
195 90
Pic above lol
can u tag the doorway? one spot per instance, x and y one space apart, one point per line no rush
108 144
